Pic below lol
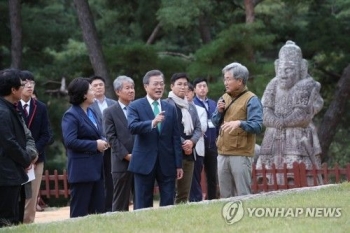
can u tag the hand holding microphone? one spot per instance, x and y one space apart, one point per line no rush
221 105
158 119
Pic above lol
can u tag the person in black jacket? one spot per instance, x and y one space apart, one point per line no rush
14 139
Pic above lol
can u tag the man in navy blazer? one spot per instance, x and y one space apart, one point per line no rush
100 104
36 118
157 151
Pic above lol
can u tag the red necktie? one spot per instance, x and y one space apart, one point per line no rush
25 110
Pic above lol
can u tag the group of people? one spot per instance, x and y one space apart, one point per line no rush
24 134
118 150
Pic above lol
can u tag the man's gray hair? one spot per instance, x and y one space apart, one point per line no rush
238 71
118 82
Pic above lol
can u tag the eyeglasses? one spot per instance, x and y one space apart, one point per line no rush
232 79
228 79
156 84
28 83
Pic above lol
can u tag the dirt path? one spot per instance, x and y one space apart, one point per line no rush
51 214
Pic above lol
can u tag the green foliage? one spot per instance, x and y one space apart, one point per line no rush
71 62
55 153
233 44
170 65
48 26
53 46
5 35
181 13
134 60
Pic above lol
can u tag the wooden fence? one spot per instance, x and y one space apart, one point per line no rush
56 185
300 176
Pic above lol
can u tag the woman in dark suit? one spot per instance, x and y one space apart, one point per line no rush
84 144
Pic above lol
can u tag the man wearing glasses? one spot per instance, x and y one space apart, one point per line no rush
239 116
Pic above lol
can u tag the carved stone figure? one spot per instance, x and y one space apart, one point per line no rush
290 102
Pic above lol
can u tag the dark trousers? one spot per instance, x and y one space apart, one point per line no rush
210 168
22 201
144 186
122 189
87 198
108 180
196 193
9 205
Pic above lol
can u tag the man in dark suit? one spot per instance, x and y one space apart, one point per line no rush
157 152
100 104
121 141
36 118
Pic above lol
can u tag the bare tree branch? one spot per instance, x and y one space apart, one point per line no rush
190 58
152 37
329 73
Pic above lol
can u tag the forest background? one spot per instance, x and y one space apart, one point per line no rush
63 39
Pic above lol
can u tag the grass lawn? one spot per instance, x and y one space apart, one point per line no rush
291 206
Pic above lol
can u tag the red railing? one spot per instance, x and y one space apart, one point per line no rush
300 174
56 185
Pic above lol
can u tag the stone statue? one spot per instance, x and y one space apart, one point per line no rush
290 102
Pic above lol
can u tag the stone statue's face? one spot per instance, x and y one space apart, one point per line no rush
288 73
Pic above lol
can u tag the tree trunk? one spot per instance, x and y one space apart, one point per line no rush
204 29
333 114
249 18
249 11
16 33
93 45
154 34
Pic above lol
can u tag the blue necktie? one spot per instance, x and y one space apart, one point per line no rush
125 112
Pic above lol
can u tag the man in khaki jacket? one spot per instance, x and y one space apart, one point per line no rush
239 115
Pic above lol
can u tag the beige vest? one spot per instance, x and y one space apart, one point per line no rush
238 142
